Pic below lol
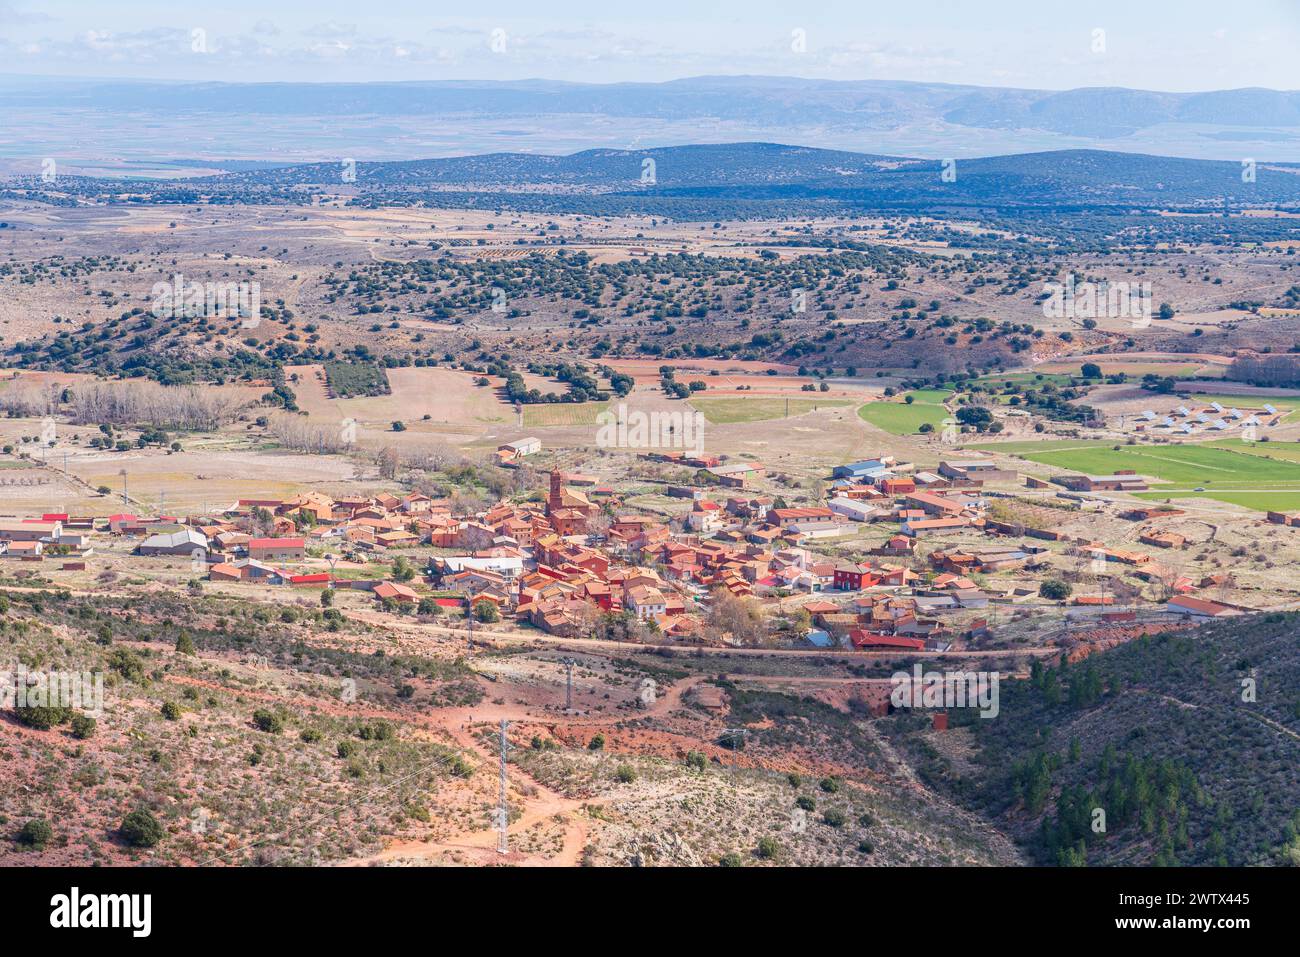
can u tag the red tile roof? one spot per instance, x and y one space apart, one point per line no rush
276 543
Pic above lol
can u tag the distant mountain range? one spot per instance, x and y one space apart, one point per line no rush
771 171
407 120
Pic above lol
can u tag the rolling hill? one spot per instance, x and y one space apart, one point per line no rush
1188 742
768 171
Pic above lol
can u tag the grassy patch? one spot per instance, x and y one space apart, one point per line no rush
1260 501
349 379
901 418
1285 404
1239 475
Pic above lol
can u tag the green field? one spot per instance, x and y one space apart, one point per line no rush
1046 445
900 418
1282 451
1260 501
1136 369
1264 476
562 413
348 379
1286 404
1026 379
729 411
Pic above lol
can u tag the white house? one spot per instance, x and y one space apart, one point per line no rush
521 447
646 601
853 509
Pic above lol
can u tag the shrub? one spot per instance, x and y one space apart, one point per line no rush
625 774
833 817
35 834
42 718
184 643
805 802
1054 589
379 731
127 664
141 829
171 710
459 767
597 743
83 726
768 847
696 761
346 749
268 721
731 860
830 785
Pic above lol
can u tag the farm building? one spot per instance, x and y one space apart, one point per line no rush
976 471
858 471
1119 482
187 541
1200 607
521 447
276 549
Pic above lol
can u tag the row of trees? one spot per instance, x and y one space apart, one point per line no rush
140 403
131 403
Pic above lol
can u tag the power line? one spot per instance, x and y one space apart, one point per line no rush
503 813
737 736
568 689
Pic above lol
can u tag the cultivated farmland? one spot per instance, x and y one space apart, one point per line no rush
903 418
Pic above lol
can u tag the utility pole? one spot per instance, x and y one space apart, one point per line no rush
125 498
737 736
568 688
503 813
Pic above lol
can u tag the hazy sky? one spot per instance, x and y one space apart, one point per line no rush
1049 44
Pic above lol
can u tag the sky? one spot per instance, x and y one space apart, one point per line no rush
1050 44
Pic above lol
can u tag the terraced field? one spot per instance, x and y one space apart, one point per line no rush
563 413
730 411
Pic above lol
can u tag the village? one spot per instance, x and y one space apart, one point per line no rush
964 555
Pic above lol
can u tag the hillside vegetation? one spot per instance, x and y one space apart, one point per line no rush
1188 743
